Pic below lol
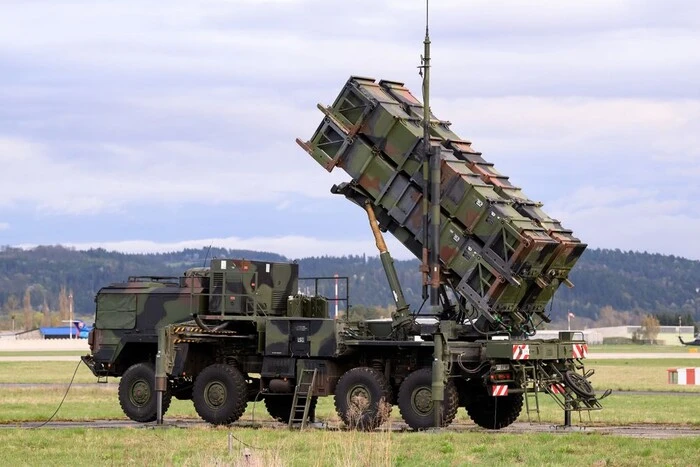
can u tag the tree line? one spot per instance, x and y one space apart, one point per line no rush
612 287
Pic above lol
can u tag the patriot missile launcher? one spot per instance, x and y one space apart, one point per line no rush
238 331
491 259
499 251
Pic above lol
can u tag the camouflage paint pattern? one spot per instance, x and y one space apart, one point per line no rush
507 255
128 315
301 337
243 287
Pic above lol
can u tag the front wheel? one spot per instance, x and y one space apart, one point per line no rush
137 395
220 394
416 401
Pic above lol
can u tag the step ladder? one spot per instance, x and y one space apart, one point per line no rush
303 390
531 391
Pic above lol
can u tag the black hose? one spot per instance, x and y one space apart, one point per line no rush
61 403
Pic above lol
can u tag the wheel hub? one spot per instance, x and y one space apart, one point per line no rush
359 397
140 393
423 400
215 394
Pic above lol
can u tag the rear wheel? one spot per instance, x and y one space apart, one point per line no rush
137 395
361 398
494 413
416 400
220 394
280 407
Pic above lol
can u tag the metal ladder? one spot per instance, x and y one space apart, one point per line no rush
531 391
304 389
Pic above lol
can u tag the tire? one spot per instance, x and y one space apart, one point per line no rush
416 404
579 384
494 413
361 398
280 407
220 394
137 395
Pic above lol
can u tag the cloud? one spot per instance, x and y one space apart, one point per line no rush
151 173
174 107
631 219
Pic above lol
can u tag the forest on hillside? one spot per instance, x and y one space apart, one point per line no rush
612 287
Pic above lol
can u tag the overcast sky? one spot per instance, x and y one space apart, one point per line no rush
152 126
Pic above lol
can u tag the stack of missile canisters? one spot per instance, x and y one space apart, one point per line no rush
498 248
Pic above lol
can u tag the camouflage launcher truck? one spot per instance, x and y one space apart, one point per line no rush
124 340
249 335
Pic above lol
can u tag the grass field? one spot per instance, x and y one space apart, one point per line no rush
621 375
204 445
639 375
210 446
100 401
41 353
37 404
639 348
44 372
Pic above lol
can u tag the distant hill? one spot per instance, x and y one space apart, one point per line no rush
627 281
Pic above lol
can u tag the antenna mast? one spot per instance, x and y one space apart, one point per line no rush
431 179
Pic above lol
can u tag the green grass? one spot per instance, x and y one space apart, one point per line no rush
100 403
623 375
210 446
44 372
206 445
638 375
639 348
42 353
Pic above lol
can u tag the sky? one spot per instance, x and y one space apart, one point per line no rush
153 126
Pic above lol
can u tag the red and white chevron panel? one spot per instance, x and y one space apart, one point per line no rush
521 352
685 376
499 390
580 351
557 388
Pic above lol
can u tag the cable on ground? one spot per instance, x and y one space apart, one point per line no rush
62 400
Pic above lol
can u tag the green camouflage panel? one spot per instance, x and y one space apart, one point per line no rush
382 116
301 337
511 241
307 307
571 248
131 312
390 93
243 287
508 255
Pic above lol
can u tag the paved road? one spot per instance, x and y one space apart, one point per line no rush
635 431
